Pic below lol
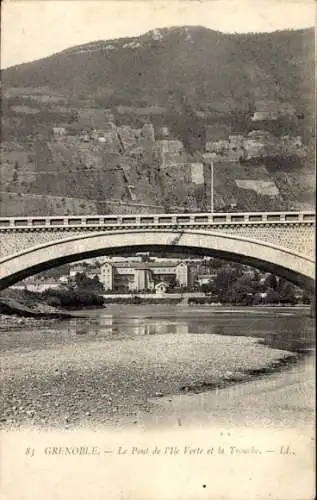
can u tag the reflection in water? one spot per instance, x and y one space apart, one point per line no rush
282 328
105 321
113 326
279 328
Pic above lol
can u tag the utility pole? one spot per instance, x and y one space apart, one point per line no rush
211 186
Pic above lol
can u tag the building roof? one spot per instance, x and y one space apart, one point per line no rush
160 284
145 265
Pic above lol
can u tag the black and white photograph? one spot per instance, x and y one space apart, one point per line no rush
157 257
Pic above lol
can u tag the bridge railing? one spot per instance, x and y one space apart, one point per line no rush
160 220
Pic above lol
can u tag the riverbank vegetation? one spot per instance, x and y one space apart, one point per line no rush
137 300
232 285
72 299
28 305
81 292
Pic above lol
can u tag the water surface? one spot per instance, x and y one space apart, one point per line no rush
289 328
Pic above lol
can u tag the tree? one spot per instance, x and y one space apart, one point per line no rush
84 283
224 281
172 282
257 299
243 290
271 282
306 297
208 287
272 297
286 292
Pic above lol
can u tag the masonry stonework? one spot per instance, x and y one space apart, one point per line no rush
296 237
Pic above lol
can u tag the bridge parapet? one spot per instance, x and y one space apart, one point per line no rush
157 220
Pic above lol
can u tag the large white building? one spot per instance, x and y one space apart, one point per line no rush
135 275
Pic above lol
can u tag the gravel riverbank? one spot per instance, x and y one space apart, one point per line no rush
284 399
92 384
12 322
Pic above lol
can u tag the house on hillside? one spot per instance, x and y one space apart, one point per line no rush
59 131
148 132
265 110
255 144
128 137
171 152
75 130
197 173
236 140
260 135
236 150
163 132
220 147
84 137
253 149
264 115
208 157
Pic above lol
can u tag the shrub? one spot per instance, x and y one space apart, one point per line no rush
73 298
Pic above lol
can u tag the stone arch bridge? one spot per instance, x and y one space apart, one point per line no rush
281 243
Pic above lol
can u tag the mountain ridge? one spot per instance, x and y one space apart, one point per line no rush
150 33
158 66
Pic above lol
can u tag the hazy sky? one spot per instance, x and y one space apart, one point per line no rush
34 29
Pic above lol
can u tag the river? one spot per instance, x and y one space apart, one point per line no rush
128 364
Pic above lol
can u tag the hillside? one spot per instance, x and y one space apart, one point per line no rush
150 101
215 71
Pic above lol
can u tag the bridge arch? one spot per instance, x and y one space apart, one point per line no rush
294 267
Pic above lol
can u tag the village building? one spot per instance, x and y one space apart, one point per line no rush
59 131
171 152
220 147
128 137
163 132
197 173
206 278
264 115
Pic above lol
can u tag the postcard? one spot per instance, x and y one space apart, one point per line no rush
157 259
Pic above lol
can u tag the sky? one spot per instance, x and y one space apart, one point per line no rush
34 29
